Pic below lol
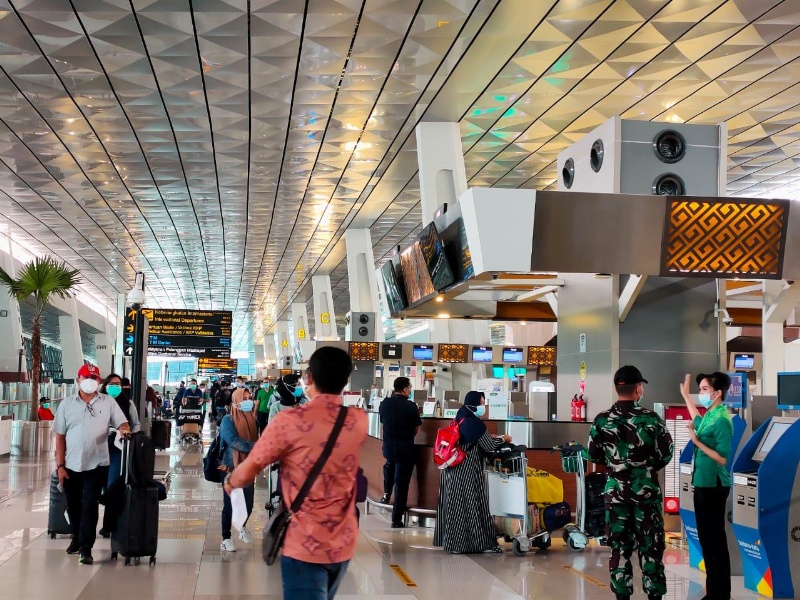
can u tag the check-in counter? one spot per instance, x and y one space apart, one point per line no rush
538 436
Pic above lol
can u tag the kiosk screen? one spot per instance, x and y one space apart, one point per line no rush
743 361
788 391
771 437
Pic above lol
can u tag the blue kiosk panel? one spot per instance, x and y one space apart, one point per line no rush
766 508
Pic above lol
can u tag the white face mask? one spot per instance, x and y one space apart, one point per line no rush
89 386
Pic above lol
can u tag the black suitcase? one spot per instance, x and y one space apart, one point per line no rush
136 534
161 433
56 519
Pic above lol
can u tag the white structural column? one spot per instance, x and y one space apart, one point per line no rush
283 345
772 336
104 347
324 314
270 351
442 176
70 334
299 322
362 281
10 324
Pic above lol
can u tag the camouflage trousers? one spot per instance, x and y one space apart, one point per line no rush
636 527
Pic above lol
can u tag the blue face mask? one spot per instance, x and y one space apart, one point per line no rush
264 386
298 391
113 390
46 405
246 405
192 387
705 400
480 410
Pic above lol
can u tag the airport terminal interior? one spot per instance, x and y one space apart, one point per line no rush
514 197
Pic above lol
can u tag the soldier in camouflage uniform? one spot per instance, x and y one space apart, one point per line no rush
634 445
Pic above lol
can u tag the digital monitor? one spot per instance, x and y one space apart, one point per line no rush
392 351
777 428
456 248
416 279
788 391
513 355
743 361
422 353
430 245
395 292
482 354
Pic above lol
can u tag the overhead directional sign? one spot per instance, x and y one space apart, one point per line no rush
207 367
128 331
189 333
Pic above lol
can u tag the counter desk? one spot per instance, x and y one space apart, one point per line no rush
538 436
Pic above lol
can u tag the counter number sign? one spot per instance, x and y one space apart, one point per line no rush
583 370
582 343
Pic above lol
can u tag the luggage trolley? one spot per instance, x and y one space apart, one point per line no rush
190 421
508 497
589 509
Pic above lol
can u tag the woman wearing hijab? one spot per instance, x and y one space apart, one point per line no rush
289 390
463 522
238 432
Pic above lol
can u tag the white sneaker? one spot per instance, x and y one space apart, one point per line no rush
227 546
244 535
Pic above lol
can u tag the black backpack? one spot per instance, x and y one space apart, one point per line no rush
211 470
140 460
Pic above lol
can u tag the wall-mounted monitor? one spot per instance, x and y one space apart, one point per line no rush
482 354
422 353
775 431
393 286
392 351
789 391
513 355
744 361
416 279
456 248
435 259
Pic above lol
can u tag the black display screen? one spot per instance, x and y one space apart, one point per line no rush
390 351
435 259
395 293
416 279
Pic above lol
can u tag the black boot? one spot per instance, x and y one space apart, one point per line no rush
653 597
621 597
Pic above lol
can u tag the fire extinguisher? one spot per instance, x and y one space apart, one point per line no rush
580 409
574 408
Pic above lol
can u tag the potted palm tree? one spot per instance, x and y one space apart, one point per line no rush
42 278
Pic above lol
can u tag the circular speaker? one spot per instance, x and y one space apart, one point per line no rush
596 156
669 184
669 146
568 173
363 319
363 331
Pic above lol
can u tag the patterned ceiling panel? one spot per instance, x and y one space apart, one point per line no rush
223 147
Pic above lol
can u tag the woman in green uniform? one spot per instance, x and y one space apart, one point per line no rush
712 435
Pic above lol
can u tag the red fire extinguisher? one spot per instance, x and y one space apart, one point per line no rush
580 409
574 408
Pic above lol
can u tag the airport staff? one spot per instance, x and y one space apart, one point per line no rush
401 422
634 445
81 428
712 436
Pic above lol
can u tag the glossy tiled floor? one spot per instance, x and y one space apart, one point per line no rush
190 564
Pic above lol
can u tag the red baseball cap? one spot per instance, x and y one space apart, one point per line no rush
89 371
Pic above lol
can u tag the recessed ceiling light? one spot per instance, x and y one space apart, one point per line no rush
440 298
443 315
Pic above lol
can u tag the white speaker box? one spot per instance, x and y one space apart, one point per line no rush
624 156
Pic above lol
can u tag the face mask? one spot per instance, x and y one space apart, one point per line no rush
705 400
239 384
202 389
298 391
264 386
89 386
46 405
480 410
113 390
192 387
246 405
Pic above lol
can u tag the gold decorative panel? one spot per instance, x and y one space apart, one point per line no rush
736 238
453 353
541 355
364 350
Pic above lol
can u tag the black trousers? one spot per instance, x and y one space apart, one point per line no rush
397 475
710 506
262 419
83 501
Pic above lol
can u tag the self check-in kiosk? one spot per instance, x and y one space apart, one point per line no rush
687 501
766 508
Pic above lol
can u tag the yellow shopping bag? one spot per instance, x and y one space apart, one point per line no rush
544 488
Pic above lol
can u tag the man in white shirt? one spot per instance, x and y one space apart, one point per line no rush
81 428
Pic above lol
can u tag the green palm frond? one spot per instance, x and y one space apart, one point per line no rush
42 278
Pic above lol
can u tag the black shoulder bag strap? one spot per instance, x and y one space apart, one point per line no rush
317 469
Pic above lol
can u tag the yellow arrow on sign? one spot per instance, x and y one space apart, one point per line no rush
132 313
130 328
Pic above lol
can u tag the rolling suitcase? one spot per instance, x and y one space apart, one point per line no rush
136 534
161 433
57 523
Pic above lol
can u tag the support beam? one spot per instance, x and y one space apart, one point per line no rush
629 295
537 293
552 300
783 305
